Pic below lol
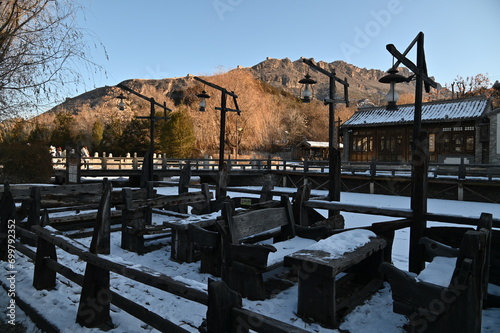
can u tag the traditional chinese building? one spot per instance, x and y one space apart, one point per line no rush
311 150
463 128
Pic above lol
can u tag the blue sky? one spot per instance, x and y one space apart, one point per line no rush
153 39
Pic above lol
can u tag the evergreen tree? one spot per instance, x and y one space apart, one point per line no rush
40 134
97 133
177 138
135 137
63 134
110 137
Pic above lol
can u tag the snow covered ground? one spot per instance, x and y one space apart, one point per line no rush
375 315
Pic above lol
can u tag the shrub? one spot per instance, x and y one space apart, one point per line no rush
25 163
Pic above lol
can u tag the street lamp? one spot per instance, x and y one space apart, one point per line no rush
392 78
121 106
333 152
419 148
223 109
148 159
203 100
307 93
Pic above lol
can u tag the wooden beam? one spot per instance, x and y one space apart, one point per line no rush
373 210
408 63
138 273
230 93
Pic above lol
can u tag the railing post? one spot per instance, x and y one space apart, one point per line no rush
104 162
135 162
373 173
164 161
460 191
461 169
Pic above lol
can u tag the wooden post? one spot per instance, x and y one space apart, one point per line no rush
7 213
146 169
101 236
460 196
104 162
44 277
223 181
135 162
461 169
185 178
95 299
265 194
34 207
221 299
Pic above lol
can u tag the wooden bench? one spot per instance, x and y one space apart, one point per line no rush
454 302
243 260
323 296
137 215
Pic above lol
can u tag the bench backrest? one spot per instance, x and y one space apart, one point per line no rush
253 222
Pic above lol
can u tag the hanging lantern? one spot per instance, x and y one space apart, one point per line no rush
306 92
392 96
203 100
121 106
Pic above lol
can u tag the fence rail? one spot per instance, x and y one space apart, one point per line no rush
372 169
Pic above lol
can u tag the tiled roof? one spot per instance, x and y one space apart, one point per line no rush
442 111
313 144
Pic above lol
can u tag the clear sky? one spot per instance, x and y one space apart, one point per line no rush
153 39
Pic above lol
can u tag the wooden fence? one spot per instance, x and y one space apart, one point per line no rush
224 306
372 169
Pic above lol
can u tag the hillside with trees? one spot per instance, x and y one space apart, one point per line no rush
272 119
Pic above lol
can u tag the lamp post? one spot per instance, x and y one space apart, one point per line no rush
419 146
223 109
333 152
148 159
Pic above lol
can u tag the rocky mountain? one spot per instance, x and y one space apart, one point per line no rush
268 91
364 88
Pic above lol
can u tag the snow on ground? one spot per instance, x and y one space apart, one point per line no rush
375 315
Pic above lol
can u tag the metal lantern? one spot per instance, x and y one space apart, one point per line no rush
306 92
203 100
392 96
121 106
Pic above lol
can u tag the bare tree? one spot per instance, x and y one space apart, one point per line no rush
470 86
42 53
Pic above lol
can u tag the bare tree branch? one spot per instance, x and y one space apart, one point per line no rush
41 49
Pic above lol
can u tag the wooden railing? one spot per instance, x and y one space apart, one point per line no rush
374 168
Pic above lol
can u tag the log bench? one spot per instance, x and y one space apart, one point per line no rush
137 215
243 260
337 274
448 295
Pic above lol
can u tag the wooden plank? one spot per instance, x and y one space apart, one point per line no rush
132 308
81 217
246 319
255 222
373 210
331 267
136 272
173 200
